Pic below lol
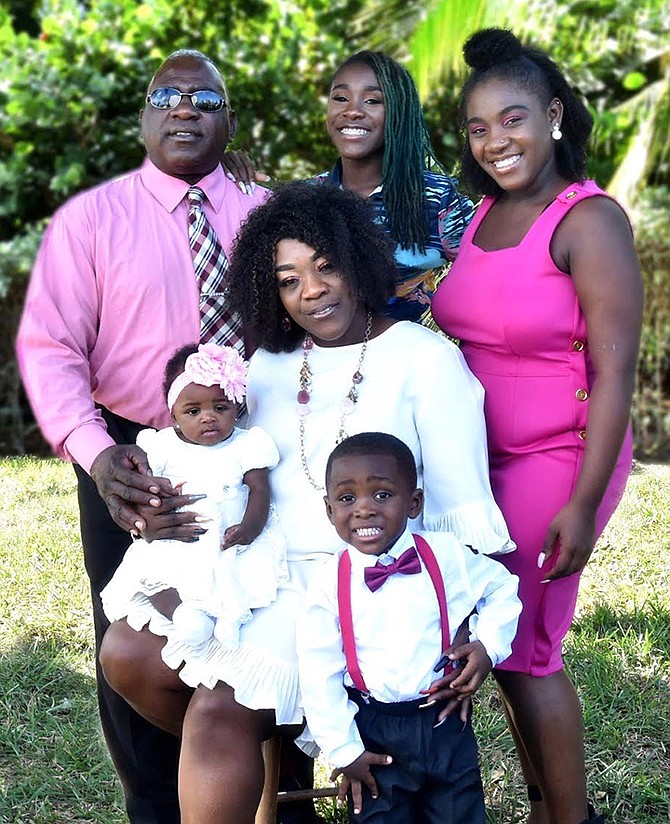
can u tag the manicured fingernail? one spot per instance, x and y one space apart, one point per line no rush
441 664
253 187
139 525
199 531
194 498
241 186
154 489
427 704
541 559
155 501
389 760
202 519
439 723
356 810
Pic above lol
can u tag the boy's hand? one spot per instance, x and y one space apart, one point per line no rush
465 681
356 774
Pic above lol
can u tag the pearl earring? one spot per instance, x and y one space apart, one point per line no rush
556 132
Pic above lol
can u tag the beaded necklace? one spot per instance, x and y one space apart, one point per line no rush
346 406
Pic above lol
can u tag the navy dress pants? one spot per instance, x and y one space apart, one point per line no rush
434 777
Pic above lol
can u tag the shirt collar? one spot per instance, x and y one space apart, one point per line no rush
359 560
169 191
335 178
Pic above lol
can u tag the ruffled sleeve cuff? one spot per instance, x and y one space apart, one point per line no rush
479 525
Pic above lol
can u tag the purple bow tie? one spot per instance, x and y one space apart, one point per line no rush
407 564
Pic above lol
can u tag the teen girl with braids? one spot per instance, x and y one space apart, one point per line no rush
375 120
376 123
546 299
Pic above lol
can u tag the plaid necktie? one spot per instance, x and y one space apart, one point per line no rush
217 323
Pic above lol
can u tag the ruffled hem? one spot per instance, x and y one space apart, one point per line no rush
259 680
480 526
257 573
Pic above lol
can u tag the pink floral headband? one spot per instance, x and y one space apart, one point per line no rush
212 365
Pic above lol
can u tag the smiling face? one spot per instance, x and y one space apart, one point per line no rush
369 501
356 113
185 142
509 132
204 414
316 296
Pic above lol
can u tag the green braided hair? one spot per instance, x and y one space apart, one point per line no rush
407 149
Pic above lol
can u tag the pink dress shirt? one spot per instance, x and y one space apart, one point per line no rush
112 296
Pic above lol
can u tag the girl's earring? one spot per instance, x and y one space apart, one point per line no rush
556 132
177 428
286 323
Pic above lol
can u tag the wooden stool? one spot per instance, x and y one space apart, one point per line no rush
267 809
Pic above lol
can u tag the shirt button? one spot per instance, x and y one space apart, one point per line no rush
578 345
582 434
581 394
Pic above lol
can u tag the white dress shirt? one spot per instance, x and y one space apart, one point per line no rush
397 632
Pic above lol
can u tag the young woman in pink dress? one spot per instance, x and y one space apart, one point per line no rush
546 298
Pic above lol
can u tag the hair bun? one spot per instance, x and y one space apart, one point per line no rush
490 47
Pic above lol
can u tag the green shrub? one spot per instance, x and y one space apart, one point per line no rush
651 408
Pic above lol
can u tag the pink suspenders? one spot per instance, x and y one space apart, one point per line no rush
344 606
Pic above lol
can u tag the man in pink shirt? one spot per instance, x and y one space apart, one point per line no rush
113 294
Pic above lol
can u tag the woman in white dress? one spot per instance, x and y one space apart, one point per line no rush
311 275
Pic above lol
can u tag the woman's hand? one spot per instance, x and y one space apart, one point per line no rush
572 535
358 773
462 682
440 689
239 168
170 520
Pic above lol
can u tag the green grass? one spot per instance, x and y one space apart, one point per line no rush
53 763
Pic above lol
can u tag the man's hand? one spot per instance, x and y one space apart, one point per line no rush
123 477
358 773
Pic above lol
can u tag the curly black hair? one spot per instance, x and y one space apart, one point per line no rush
337 224
376 443
497 53
176 365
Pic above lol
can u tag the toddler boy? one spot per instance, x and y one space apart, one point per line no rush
378 617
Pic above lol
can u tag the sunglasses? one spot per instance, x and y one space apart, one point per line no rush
205 100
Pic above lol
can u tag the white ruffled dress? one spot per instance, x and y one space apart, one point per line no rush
228 584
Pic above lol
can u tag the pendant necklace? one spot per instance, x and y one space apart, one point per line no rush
346 406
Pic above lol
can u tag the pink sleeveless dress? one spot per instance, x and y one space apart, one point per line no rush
524 336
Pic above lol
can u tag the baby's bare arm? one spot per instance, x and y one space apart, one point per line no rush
256 514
